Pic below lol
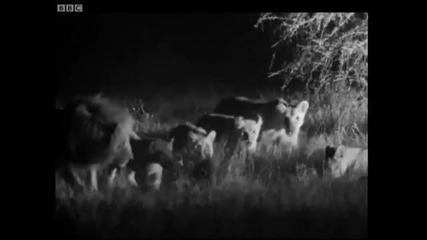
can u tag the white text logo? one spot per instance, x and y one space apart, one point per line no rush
70 7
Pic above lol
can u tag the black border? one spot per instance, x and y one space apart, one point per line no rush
386 189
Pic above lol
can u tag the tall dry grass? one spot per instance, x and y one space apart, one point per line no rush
287 196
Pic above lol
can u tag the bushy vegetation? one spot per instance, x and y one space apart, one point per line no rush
330 50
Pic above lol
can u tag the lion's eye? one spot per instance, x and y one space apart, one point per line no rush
245 135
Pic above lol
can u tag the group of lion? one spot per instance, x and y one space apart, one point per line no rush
95 134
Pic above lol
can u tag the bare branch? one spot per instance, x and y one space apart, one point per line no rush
331 47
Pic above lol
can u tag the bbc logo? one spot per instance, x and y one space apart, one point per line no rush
70 7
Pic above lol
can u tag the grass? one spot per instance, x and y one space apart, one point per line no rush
284 197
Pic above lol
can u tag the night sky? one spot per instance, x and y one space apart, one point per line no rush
140 53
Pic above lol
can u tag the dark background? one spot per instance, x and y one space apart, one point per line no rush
138 54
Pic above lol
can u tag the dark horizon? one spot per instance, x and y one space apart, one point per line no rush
141 53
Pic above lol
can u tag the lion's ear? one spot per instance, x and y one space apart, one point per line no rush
153 147
239 122
303 107
134 136
281 107
170 144
340 152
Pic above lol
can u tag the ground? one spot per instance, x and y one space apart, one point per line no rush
284 197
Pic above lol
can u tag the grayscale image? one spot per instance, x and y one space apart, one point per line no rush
210 125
